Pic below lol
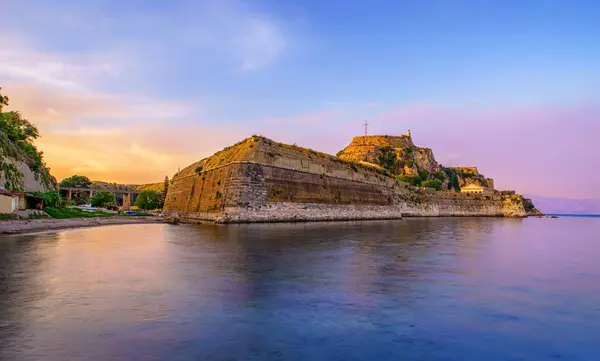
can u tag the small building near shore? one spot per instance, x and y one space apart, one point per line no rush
11 202
476 189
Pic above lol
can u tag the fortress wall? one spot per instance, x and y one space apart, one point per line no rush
205 192
429 203
299 159
285 185
252 192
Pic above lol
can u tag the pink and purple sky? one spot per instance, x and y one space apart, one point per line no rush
128 91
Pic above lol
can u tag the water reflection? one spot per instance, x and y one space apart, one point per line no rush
434 289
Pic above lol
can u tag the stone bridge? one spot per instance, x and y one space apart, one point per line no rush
125 197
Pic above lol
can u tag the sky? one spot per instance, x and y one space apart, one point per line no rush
129 91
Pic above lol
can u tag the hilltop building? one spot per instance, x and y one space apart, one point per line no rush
476 189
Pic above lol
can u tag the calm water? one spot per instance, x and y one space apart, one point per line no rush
415 289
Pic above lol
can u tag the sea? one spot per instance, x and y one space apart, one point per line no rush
412 289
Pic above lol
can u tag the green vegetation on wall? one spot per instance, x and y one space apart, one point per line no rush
13 179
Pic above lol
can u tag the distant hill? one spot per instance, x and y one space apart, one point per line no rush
566 205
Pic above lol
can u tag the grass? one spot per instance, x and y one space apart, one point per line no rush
64 213
5 217
38 216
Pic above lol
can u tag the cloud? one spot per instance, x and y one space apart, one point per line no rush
45 105
149 155
259 44
20 61
98 40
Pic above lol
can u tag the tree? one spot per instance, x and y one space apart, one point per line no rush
165 188
3 100
149 199
103 199
76 181
51 198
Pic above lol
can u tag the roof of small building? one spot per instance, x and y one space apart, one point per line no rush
5 192
473 186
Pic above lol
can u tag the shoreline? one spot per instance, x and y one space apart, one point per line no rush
14 227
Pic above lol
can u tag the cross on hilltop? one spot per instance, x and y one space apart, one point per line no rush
366 125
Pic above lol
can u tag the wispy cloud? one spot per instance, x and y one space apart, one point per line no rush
259 44
46 105
19 61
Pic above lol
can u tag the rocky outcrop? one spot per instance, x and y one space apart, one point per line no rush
258 180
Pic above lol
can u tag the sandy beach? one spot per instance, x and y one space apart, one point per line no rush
40 225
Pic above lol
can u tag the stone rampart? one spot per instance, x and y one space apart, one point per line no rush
255 192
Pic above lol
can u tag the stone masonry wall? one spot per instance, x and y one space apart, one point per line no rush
252 192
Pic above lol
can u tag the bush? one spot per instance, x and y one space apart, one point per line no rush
439 175
436 184
149 199
423 174
387 158
51 198
103 199
413 180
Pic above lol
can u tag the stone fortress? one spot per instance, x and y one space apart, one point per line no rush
374 177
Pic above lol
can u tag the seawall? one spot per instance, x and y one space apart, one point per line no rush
264 181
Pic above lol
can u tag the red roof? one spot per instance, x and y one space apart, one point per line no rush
9 193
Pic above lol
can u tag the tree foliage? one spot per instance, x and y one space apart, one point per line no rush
165 188
149 199
76 181
413 180
103 199
436 184
3 100
52 198
453 183
22 133
387 158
